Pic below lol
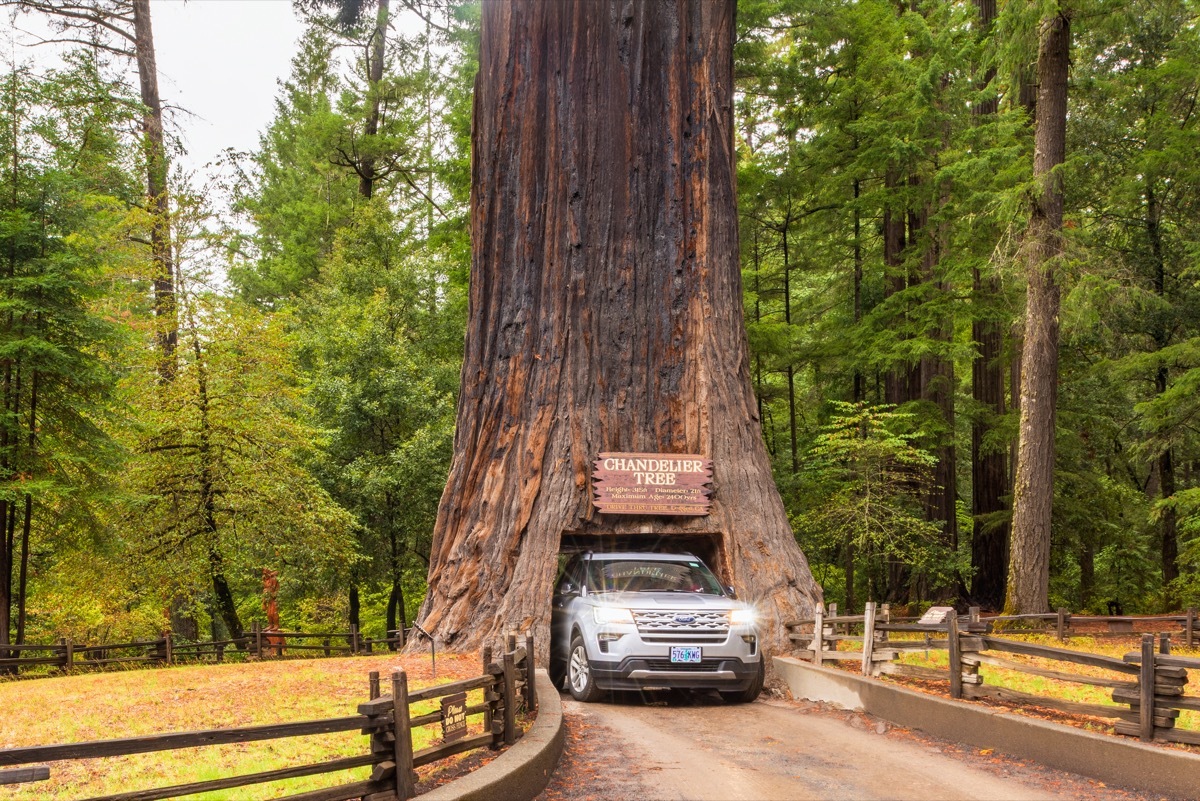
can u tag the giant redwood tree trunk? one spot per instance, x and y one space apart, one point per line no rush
605 312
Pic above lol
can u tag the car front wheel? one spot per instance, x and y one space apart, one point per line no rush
750 693
580 680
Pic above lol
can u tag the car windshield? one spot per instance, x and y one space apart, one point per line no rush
629 575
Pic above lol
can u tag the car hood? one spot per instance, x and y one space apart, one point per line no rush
665 600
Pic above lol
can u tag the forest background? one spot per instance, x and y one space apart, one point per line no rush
201 383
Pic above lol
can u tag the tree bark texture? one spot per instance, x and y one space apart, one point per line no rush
989 468
1033 493
605 312
158 199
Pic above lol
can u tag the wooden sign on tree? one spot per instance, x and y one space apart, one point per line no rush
652 484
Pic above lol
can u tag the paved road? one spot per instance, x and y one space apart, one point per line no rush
698 749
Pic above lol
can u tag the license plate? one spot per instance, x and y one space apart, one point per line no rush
685 653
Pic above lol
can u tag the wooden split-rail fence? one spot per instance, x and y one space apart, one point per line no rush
508 688
1147 699
258 643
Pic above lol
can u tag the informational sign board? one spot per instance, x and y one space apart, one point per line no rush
454 717
935 615
652 484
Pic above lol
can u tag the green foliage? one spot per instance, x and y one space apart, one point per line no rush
63 214
864 479
852 115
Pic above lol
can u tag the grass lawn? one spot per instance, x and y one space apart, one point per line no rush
100 706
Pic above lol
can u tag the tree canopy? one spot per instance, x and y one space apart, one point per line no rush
193 391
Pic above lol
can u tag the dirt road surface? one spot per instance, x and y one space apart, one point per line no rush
697 748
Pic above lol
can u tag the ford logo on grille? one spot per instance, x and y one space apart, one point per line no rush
685 618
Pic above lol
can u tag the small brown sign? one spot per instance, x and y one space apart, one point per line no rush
454 717
652 484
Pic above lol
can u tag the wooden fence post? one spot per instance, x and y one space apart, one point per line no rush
220 652
488 715
885 614
354 644
1146 686
405 787
1189 626
955 646
510 698
868 637
1061 627
68 653
818 642
258 640
325 642
831 611
1164 642
530 688
373 684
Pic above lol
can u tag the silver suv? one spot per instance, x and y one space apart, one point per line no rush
635 621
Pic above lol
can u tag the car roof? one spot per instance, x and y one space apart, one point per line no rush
643 556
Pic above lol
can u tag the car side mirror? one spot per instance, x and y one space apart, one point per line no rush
566 588
729 589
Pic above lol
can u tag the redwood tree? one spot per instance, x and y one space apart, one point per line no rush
1033 491
605 310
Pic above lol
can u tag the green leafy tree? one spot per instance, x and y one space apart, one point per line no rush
865 480
65 198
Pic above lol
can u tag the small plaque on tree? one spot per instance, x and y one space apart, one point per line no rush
454 717
652 484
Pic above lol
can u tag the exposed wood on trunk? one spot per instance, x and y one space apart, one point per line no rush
605 310
1029 561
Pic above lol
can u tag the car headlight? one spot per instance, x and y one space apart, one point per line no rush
612 614
742 617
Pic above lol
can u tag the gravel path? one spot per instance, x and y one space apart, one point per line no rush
678 746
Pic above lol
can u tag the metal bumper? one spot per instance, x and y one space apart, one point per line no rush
635 673
715 675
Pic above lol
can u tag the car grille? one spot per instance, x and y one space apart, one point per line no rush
707 666
685 638
653 621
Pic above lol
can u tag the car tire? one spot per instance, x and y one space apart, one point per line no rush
580 681
558 672
750 693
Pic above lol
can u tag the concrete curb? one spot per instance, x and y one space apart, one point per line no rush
1120 761
523 771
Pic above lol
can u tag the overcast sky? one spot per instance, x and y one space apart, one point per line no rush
219 60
